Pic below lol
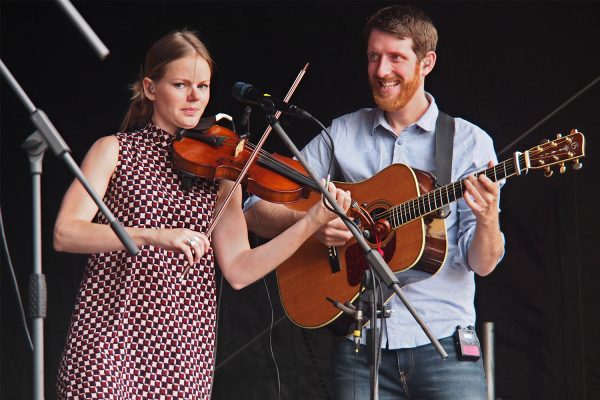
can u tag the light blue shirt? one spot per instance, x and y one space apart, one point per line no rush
364 145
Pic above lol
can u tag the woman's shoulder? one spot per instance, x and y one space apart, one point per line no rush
106 144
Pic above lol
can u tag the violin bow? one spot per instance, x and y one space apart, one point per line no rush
251 159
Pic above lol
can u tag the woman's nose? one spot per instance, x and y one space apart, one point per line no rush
193 94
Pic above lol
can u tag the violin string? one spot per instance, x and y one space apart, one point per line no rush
280 166
272 162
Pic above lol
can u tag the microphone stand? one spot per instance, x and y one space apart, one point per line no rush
45 136
373 257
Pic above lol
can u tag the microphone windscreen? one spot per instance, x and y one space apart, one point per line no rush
239 90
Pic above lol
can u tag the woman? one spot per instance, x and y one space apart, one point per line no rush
137 331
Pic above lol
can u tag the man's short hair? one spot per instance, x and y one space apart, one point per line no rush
405 22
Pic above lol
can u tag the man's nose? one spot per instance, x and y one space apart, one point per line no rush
383 67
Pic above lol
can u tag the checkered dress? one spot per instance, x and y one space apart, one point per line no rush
136 332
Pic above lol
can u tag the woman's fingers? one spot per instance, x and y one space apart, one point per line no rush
188 252
195 246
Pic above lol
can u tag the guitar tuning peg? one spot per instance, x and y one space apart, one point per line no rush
548 172
544 141
562 168
558 135
577 165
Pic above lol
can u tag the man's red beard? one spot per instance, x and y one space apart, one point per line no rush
407 91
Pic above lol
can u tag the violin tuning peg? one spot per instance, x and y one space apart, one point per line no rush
548 172
577 165
562 168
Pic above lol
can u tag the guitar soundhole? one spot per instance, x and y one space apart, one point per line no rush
356 263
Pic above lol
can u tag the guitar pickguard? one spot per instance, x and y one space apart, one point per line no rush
356 263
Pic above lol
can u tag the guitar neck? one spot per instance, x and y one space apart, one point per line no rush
444 195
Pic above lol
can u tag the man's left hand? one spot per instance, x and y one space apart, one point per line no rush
482 197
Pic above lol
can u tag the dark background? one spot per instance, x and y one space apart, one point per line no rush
503 66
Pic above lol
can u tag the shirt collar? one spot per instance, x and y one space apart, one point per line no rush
426 122
159 136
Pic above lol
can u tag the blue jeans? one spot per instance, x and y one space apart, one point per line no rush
415 373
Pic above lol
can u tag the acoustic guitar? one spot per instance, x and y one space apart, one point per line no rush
398 212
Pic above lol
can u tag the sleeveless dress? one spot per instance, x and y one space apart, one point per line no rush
136 331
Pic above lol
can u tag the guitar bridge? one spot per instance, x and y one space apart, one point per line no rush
334 261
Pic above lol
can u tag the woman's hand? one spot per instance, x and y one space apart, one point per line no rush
192 244
320 214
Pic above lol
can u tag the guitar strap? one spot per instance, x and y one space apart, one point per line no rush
444 144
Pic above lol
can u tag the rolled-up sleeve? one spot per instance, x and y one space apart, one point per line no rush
480 152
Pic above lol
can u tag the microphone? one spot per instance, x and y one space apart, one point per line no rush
247 93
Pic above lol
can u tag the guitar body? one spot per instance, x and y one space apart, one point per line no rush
316 272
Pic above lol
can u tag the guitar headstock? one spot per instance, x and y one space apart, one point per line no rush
558 151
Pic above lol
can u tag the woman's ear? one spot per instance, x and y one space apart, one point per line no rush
149 89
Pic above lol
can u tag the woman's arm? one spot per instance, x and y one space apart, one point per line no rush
241 265
75 233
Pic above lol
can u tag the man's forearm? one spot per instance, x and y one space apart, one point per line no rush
486 248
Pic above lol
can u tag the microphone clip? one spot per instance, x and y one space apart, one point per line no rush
245 122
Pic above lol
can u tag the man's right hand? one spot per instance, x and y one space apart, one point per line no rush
334 233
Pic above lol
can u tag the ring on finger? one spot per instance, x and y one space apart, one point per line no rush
188 242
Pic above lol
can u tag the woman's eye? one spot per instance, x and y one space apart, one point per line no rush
203 86
178 85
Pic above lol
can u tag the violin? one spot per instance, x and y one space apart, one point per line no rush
219 153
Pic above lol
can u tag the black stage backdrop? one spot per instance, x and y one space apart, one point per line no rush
503 66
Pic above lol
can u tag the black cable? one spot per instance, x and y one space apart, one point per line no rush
331 144
329 169
377 288
15 283
271 339
219 297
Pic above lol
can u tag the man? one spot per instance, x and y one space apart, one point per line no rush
401 45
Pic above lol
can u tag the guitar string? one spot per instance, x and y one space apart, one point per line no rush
411 209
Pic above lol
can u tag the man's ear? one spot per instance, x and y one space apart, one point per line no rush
428 62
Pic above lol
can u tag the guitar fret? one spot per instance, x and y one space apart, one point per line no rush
442 196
